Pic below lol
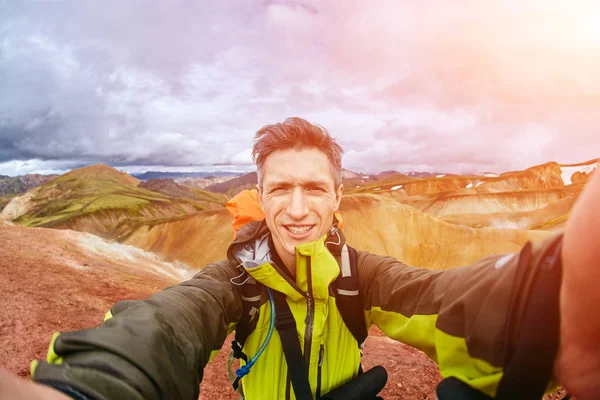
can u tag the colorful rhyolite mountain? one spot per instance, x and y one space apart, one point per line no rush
438 221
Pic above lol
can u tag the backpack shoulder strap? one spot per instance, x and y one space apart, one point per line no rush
251 295
348 297
286 326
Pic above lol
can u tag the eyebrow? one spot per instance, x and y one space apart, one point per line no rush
287 184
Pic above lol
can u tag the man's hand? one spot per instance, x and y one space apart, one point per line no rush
578 363
14 388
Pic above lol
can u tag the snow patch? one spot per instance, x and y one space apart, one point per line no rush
396 187
132 254
365 177
469 186
491 175
479 184
440 176
522 223
377 189
567 172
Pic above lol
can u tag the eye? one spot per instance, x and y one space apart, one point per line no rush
316 189
277 189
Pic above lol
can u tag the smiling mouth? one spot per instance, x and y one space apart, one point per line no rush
298 229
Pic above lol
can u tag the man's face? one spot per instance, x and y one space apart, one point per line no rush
299 198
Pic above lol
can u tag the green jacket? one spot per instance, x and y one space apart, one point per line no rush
463 318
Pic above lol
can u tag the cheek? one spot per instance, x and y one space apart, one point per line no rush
324 207
272 209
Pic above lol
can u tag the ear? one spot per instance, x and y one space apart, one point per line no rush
338 196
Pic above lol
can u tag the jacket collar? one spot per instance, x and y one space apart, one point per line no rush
251 249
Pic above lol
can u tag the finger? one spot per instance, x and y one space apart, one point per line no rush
15 388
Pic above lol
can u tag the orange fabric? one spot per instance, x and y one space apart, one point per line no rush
244 208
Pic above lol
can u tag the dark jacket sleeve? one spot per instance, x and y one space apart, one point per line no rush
466 318
150 349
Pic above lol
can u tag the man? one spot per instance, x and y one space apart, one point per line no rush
467 319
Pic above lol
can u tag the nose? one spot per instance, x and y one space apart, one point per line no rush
298 205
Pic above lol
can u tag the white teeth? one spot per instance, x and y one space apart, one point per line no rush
297 230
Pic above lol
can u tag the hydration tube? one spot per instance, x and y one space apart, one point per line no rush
245 369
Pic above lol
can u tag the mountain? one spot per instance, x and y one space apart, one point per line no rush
181 175
21 184
235 185
96 199
551 216
201 183
539 197
192 226
393 228
172 189
417 174
168 187
101 171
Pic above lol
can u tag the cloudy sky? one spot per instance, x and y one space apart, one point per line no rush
461 86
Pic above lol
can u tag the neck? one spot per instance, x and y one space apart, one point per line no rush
290 263
282 258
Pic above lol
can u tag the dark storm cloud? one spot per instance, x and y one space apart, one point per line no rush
401 85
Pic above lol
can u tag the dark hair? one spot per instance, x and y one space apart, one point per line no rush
296 133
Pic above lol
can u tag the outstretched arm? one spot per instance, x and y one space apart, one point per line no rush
578 362
467 319
151 349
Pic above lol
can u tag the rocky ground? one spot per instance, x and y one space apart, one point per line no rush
50 282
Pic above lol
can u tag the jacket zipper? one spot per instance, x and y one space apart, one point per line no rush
321 354
310 317
287 278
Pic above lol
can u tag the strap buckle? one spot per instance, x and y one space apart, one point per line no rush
237 351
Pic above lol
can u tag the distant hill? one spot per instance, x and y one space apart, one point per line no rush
168 187
21 184
104 172
385 174
180 175
171 188
417 174
201 183
235 185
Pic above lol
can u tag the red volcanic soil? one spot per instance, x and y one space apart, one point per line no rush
49 283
